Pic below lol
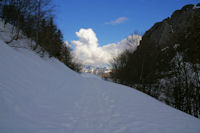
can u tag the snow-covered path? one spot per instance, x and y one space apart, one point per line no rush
98 111
42 95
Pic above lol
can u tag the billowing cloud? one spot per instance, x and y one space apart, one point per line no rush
117 21
87 49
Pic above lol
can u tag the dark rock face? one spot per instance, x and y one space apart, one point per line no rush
170 51
166 64
162 32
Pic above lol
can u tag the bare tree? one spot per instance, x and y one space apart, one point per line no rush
44 9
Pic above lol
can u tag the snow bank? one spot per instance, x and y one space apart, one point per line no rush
40 95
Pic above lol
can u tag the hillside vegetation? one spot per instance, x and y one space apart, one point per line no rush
34 19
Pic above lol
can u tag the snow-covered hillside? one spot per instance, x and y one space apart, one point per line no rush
42 95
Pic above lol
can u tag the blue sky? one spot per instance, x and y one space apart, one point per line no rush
72 15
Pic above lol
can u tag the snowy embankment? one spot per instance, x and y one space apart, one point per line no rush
42 95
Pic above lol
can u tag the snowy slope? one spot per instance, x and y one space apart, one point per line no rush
42 95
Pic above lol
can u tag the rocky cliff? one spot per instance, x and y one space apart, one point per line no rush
162 32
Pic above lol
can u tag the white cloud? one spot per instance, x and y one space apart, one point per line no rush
87 50
117 21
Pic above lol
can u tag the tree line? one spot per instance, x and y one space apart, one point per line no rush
35 19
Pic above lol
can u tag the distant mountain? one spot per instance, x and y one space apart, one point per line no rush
99 71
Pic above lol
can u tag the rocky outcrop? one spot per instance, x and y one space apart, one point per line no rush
162 32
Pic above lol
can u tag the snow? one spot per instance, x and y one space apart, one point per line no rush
42 95
164 48
196 7
89 75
